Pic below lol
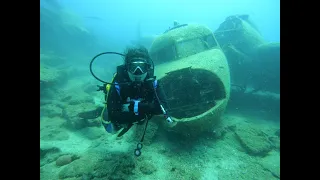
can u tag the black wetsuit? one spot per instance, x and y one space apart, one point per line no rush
148 106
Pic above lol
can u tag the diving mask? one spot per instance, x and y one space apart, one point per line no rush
137 67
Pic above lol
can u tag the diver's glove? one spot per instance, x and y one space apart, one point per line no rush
102 88
131 106
137 107
125 107
169 119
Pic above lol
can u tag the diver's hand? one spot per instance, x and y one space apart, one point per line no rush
169 119
100 88
172 123
125 107
128 106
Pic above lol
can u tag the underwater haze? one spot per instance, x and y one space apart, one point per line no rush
218 62
120 18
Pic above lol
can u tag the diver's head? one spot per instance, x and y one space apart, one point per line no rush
138 63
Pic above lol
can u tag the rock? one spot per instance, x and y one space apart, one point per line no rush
147 168
66 98
51 77
80 99
51 59
54 123
178 171
253 140
87 177
249 170
275 141
82 166
51 110
100 165
71 114
58 103
94 122
63 160
271 163
277 133
93 116
90 88
150 132
52 129
219 133
93 132
66 159
48 149
48 154
54 135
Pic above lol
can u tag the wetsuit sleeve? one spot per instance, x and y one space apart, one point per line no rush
154 108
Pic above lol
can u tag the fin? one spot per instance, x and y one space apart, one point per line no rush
109 128
124 130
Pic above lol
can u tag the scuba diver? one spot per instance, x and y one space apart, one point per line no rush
133 97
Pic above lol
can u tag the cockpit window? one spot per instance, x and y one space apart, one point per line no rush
165 54
193 46
189 47
184 48
210 41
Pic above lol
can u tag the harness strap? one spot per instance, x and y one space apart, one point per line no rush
117 88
